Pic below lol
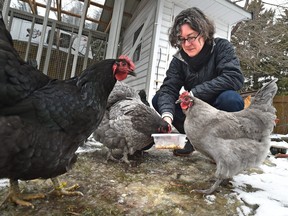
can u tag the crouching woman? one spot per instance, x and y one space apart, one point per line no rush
204 65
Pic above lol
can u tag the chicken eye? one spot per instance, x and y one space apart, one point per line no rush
186 99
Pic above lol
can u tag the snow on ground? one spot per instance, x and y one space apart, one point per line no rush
273 188
4 182
272 185
90 146
272 196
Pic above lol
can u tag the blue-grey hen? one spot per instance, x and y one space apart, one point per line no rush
234 140
128 123
43 121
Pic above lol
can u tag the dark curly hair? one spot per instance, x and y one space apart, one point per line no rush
197 20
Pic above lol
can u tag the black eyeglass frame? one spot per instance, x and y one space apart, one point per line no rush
190 39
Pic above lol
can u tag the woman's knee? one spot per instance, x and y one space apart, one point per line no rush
230 101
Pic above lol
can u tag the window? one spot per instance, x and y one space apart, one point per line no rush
136 54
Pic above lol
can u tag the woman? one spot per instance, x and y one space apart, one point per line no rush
207 67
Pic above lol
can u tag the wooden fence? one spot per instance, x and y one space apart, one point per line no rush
281 104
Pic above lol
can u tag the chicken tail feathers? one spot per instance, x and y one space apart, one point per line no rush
266 94
5 35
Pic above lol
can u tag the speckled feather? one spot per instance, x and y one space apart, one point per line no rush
128 123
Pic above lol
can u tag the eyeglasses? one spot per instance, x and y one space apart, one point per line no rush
188 39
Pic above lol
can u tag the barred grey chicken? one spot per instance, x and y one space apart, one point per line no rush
128 123
121 91
234 140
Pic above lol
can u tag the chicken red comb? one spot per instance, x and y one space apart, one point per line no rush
185 93
185 100
129 61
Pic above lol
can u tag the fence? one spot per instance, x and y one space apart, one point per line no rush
58 60
281 104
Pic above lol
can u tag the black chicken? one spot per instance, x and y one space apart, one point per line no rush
43 121
128 123
15 83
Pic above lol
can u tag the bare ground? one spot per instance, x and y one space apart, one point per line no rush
157 183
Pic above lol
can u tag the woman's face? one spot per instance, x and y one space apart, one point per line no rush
191 42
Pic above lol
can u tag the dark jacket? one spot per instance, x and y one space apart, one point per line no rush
221 72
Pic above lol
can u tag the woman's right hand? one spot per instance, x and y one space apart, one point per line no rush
168 119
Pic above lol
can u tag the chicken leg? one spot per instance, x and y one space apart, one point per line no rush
60 190
18 198
125 156
110 156
212 189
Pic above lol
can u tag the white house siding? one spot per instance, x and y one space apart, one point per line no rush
161 50
142 66
222 29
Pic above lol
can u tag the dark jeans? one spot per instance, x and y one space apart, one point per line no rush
229 101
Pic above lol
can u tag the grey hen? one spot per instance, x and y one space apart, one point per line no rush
234 140
128 123
121 91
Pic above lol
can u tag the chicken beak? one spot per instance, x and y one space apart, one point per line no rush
178 101
132 73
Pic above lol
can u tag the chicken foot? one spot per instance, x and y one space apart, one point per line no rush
19 198
212 189
125 159
60 190
126 151
110 156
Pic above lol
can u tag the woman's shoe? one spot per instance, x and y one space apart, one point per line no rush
187 150
147 147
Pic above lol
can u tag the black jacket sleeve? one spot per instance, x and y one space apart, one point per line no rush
169 91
